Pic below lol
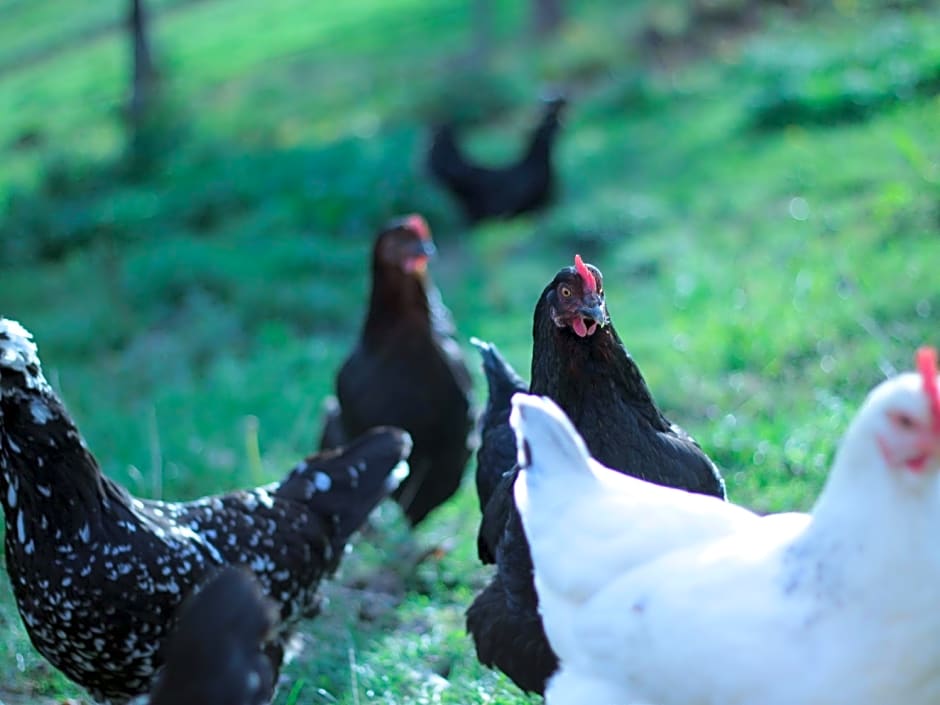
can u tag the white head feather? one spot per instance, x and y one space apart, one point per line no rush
18 353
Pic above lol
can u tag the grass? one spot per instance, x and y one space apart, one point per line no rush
764 213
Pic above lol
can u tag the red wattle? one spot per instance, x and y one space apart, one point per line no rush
416 264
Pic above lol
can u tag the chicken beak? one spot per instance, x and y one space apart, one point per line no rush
418 256
927 448
416 265
930 443
421 249
589 317
594 310
428 249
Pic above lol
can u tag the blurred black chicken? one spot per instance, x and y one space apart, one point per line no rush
579 361
98 575
483 192
215 655
407 371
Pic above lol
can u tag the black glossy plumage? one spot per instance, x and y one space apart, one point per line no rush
497 451
408 371
596 382
504 619
98 575
216 653
484 192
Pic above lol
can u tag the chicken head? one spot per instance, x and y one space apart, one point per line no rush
406 244
907 429
577 299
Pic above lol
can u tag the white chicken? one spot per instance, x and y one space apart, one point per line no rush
836 606
629 522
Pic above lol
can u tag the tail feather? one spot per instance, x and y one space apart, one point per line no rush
344 485
497 452
554 105
546 440
501 379
587 524
509 638
446 162
554 461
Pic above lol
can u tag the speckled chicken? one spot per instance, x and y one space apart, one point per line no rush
579 361
407 371
98 575
215 655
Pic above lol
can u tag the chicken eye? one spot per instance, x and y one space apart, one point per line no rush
904 421
565 291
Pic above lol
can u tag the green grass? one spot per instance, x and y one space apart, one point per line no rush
765 215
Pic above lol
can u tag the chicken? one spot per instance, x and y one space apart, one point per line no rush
407 371
98 575
215 654
599 501
835 606
483 192
622 522
497 445
579 361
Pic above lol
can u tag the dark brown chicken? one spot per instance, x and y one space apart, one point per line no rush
580 362
215 655
407 371
484 192
99 575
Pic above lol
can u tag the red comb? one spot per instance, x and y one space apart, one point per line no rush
419 225
927 366
590 282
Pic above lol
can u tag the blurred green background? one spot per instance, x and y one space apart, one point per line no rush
758 182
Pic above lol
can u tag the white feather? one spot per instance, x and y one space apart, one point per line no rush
837 606
592 523
18 353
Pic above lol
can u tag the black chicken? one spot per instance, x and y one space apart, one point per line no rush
497 451
483 192
215 654
579 361
407 371
98 575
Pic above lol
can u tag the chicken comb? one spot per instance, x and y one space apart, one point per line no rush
586 274
419 225
927 366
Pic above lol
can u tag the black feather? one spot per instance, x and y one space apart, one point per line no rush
515 643
497 450
216 654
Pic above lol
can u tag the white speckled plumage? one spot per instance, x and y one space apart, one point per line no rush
98 575
18 353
